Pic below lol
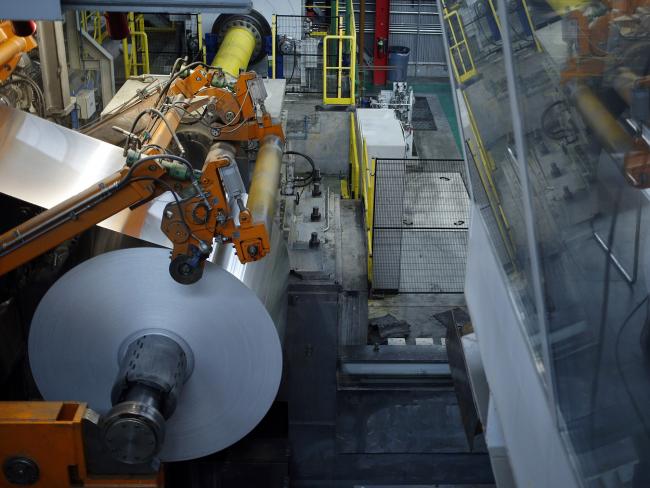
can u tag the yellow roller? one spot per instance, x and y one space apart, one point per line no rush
263 192
601 121
235 51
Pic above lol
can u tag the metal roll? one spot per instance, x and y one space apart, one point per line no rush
267 278
600 120
231 322
235 51
265 182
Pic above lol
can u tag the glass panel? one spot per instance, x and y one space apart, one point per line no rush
581 75
478 64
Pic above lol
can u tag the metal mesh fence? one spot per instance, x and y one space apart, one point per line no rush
421 219
299 52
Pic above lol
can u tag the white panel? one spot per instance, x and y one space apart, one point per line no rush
537 454
383 133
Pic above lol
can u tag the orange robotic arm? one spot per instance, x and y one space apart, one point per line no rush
204 212
12 46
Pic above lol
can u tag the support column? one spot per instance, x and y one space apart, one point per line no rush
382 24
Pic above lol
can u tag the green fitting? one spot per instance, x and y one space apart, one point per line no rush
177 171
132 156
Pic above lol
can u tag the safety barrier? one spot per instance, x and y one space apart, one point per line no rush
93 24
346 57
420 225
297 52
460 55
465 71
317 54
362 183
136 47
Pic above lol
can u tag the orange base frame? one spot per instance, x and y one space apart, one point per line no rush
50 434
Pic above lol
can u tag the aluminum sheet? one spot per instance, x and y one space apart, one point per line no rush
43 163
90 312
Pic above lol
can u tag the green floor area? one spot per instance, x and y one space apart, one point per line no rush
443 91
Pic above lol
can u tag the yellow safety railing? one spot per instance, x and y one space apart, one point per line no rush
136 47
93 19
495 204
528 17
460 55
362 182
342 72
368 194
346 39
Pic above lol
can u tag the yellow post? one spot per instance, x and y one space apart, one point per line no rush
235 51
274 31
199 33
354 157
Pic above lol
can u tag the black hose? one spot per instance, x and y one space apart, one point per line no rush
295 61
307 158
560 133
307 180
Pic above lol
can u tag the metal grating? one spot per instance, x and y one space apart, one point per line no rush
422 118
421 219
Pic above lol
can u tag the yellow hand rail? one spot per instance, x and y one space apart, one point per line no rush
362 182
340 69
131 62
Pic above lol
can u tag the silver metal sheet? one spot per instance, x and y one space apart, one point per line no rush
43 163
267 278
85 317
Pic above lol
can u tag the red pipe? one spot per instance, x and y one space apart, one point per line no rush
382 24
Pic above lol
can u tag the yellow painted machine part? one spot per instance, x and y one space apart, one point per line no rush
235 51
265 182
601 121
563 6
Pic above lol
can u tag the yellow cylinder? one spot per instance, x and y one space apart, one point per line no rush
263 193
601 121
11 47
235 51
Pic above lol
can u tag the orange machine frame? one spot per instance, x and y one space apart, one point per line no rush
50 435
190 225
12 47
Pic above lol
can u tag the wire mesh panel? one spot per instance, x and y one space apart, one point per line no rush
299 51
421 219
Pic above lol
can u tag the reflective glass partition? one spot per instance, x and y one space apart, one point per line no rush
582 81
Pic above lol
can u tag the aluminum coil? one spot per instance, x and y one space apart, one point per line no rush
107 301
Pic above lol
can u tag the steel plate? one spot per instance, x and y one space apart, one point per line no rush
43 163
85 317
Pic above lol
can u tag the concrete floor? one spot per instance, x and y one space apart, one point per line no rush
320 135
440 143
395 429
